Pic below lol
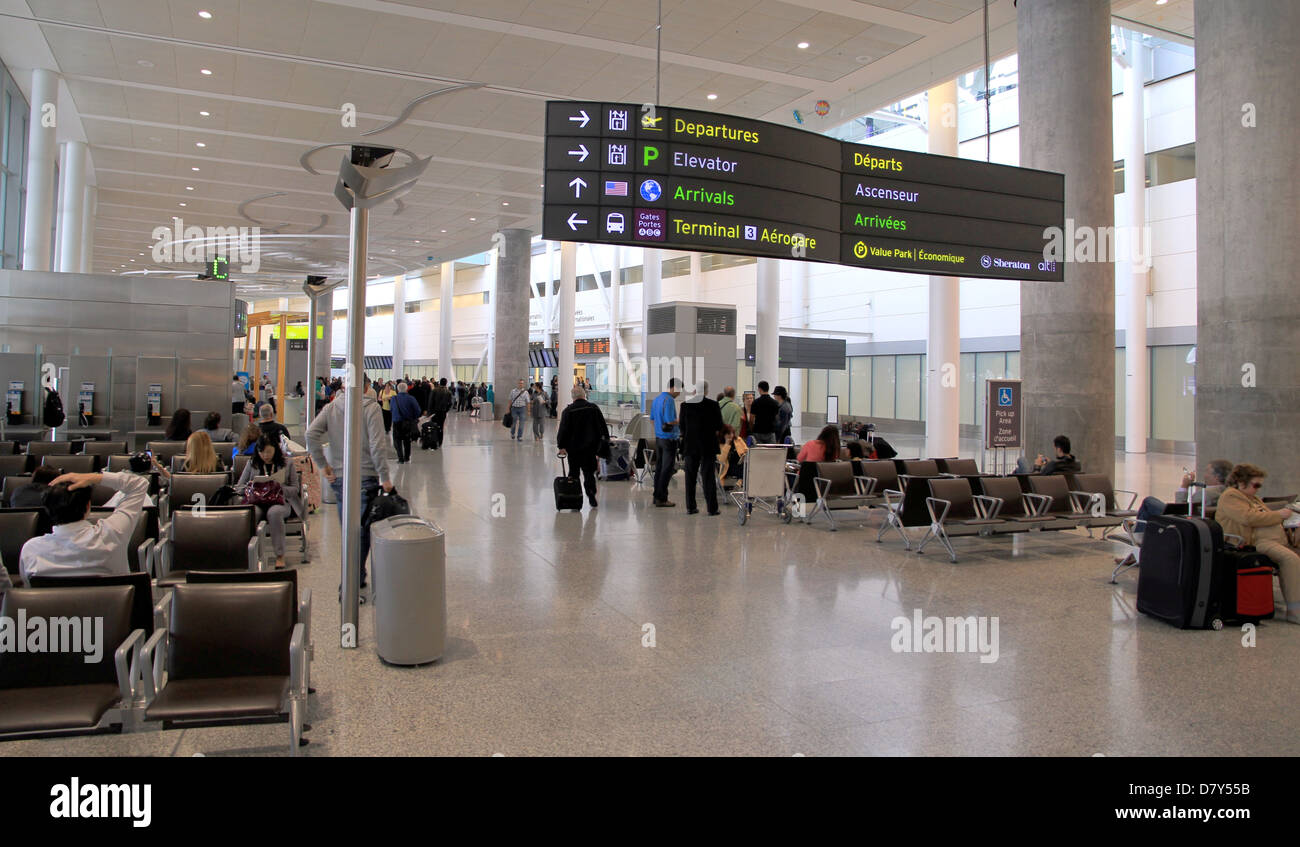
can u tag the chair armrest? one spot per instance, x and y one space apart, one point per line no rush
1084 501
254 551
144 555
865 485
1039 503
164 509
929 506
890 502
1132 497
163 558
126 659
162 612
304 613
1234 540
154 666
298 660
987 507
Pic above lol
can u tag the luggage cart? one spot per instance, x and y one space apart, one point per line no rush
764 484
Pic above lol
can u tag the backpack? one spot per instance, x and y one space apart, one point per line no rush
383 505
53 415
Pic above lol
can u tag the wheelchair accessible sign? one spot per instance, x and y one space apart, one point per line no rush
1002 419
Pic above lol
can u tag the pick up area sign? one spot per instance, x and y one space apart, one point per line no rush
1003 424
680 179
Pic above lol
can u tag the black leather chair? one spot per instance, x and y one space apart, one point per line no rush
16 527
71 464
12 484
140 548
1018 506
237 470
12 465
216 538
38 449
887 494
918 467
164 450
232 653
144 614
101 450
837 487
958 467
8 448
224 451
956 511
183 486
59 692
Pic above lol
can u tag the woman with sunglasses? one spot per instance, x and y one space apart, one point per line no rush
1242 512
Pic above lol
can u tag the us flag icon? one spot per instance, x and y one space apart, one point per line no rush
615 188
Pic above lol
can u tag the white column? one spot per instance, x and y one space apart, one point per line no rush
767 332
89 208
41 152
447 277
492 323
1136 363
943 348
548 310
614 312
652 270
399 326
695 277
799 305
72 207
568 297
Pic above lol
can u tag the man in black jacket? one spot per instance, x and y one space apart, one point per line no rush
701 424
1064 461
583 436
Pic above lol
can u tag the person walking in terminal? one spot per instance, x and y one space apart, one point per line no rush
784 414
664 414
701 432
238 395
536 409
1241 512
406 422
76 546
555 393
269 465
378 461
583 436
386 395
517 406
440 405
762 416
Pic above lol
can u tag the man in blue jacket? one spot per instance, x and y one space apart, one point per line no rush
664 414
406 421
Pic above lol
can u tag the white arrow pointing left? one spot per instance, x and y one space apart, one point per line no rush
581 119
574 220
582 152
577 185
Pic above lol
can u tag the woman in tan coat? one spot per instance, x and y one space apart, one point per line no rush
1241 512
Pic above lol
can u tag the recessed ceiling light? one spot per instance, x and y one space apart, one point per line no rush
473 219
204 114
199 144
133 260
194 169
205 71
443 230
504 203
180 204
417 241
802 45
189 188
1161 2
144 63
154 139
205 14
713 97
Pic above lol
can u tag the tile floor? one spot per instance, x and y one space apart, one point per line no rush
769 639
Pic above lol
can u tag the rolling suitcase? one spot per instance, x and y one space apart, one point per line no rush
1177 579
430 436
568 492
619 464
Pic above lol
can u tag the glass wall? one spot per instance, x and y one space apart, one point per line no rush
13 158
1173 393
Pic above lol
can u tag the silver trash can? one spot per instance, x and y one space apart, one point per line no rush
409 569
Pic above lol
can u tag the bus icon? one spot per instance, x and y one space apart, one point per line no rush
614 223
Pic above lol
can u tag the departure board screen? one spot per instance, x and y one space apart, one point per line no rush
591 347
681 179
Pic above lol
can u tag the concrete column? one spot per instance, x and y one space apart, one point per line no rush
72 207
1248 319
614 312
768 306
42 150
1137 363
568 300
548 310
447 278
652 270
399 326
799 306
513 276
1067 329
89 208
696 272
943 344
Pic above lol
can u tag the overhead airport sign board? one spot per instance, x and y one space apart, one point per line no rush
680 179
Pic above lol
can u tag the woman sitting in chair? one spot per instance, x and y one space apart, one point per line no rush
1241 512
270 482
732 456
199 456
824 448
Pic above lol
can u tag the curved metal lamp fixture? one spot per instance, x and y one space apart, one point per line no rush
324 219
410 107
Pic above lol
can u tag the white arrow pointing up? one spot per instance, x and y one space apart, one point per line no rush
581 118
582 152
574 220
577 185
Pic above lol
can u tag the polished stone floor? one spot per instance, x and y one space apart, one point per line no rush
767 639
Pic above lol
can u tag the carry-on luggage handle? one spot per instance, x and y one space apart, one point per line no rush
564 471
1199 485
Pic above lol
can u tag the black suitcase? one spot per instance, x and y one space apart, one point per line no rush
1177 579
430 436
568 492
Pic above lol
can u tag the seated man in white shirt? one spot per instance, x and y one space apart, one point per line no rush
77 546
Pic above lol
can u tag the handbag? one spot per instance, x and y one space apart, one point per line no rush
267 493
507 420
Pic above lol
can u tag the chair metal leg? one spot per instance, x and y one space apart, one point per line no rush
925 539
1128 562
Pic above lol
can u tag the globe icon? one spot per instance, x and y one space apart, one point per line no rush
650 190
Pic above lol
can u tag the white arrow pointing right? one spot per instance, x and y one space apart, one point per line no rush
582 152
577 185
581 121
574 220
